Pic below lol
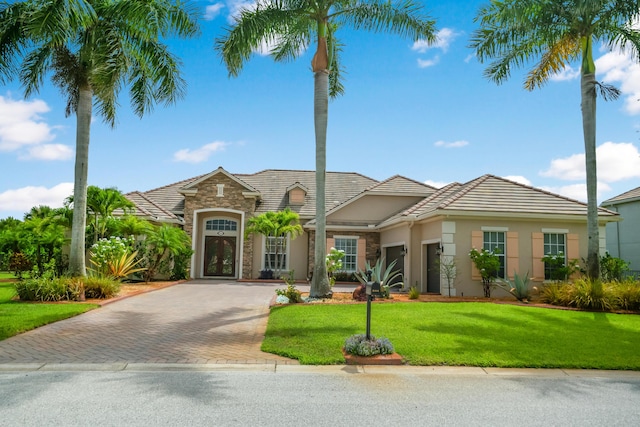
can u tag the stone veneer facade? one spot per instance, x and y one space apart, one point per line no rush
232 198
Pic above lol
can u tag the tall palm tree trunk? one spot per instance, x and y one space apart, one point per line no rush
588 99
77 265
320 284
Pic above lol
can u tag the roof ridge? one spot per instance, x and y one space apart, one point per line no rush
466 188
438 193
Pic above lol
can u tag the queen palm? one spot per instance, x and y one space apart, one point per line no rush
92 49
557 33
290 26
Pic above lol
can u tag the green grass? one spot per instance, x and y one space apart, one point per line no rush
461 334
6 275
17 317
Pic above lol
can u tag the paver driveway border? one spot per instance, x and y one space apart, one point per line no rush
194 322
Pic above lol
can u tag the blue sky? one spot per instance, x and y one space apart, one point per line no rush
425 113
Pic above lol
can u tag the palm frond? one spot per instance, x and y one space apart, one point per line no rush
273 23
608 92
553 61
404 18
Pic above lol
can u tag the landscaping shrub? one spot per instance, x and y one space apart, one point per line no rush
360 346
626 295
291 293
43 289
591 294
556 294
101 287
612 268
414 293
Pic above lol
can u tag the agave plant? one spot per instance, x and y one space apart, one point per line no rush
377 273
518 287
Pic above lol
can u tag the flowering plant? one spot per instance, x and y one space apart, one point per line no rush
334 263
488 264
360 346
109 252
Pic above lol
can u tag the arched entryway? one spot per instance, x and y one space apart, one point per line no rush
220 247
217 244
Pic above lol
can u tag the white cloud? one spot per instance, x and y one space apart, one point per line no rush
212 11
23 199
236 6
577 191
49 152
21 124
518 178
454 144
201 154
567 73
436 184
444 37
616 162
426 63
619 69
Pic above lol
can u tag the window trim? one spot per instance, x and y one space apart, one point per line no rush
354 255
503 255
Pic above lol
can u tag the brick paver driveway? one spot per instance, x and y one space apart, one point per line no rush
193 322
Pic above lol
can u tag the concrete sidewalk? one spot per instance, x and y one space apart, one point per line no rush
197 322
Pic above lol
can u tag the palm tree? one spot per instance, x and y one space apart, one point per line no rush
94 48
101 202
556 33
290 26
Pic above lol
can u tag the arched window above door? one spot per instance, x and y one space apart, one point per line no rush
221 225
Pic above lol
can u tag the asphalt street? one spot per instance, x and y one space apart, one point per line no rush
289 395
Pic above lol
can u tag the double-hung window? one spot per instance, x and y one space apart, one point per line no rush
555 248
495 241
349 245
275 253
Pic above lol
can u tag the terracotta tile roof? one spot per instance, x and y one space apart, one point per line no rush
629 196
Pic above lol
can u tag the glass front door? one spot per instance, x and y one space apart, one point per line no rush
220 256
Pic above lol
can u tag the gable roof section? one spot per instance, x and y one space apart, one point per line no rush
273 185
192 186
400 184
626 197
492 195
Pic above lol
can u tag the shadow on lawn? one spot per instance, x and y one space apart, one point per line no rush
532 337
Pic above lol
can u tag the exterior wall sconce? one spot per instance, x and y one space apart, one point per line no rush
440 249
404 251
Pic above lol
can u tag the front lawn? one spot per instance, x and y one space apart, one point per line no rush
17 317
461 334
6 275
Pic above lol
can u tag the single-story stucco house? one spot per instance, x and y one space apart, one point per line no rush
623 237
399 218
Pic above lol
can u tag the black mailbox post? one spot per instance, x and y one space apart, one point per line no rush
372 289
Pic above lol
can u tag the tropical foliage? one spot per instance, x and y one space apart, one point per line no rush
556 34
92 49
289 28
488 265
275 227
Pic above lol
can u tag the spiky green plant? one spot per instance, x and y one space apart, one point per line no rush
518 286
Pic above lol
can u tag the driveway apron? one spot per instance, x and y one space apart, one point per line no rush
192 322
